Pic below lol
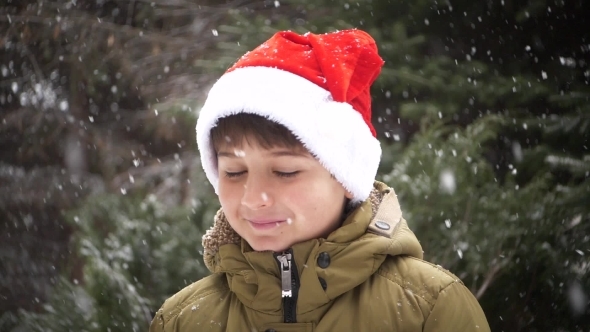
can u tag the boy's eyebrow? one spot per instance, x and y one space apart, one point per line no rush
279 153
291 153
226 154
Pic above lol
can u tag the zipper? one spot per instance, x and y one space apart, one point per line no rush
289 285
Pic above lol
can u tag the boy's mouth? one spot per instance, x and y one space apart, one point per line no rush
263 224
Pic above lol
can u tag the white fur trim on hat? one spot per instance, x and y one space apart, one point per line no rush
332 131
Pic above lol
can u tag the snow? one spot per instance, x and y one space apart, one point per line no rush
63 105
517 151
447 181
577 298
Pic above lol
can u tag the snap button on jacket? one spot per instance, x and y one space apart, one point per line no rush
324 260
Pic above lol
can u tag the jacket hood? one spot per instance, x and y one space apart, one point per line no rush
370 232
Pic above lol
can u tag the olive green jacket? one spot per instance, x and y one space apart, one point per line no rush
368 275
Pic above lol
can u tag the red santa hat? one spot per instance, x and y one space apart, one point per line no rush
318 87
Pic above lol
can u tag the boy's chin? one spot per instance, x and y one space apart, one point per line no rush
269 245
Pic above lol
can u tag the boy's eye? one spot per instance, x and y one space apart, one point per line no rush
286 174
234 174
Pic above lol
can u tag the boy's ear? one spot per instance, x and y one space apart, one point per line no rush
348 194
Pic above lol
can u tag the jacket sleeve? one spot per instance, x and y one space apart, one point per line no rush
456 309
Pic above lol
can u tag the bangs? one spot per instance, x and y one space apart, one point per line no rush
234 130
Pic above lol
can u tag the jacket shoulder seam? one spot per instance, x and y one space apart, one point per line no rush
427 296
396 280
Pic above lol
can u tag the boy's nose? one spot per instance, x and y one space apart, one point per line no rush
256 194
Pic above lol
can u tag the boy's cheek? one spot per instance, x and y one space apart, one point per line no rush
230 191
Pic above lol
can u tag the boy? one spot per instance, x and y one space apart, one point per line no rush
305 239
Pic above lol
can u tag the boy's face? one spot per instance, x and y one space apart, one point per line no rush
274 198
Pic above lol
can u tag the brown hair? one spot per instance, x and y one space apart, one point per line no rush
235 129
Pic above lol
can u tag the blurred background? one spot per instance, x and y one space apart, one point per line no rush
482 109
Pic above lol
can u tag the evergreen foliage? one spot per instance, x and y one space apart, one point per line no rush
134 253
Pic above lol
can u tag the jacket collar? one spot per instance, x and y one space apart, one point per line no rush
355 251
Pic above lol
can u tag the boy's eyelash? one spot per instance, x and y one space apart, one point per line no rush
234 174
280 174
286 175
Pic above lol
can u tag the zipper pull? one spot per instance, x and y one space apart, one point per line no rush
285 262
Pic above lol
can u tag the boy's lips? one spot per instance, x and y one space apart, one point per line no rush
264 224
264 221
